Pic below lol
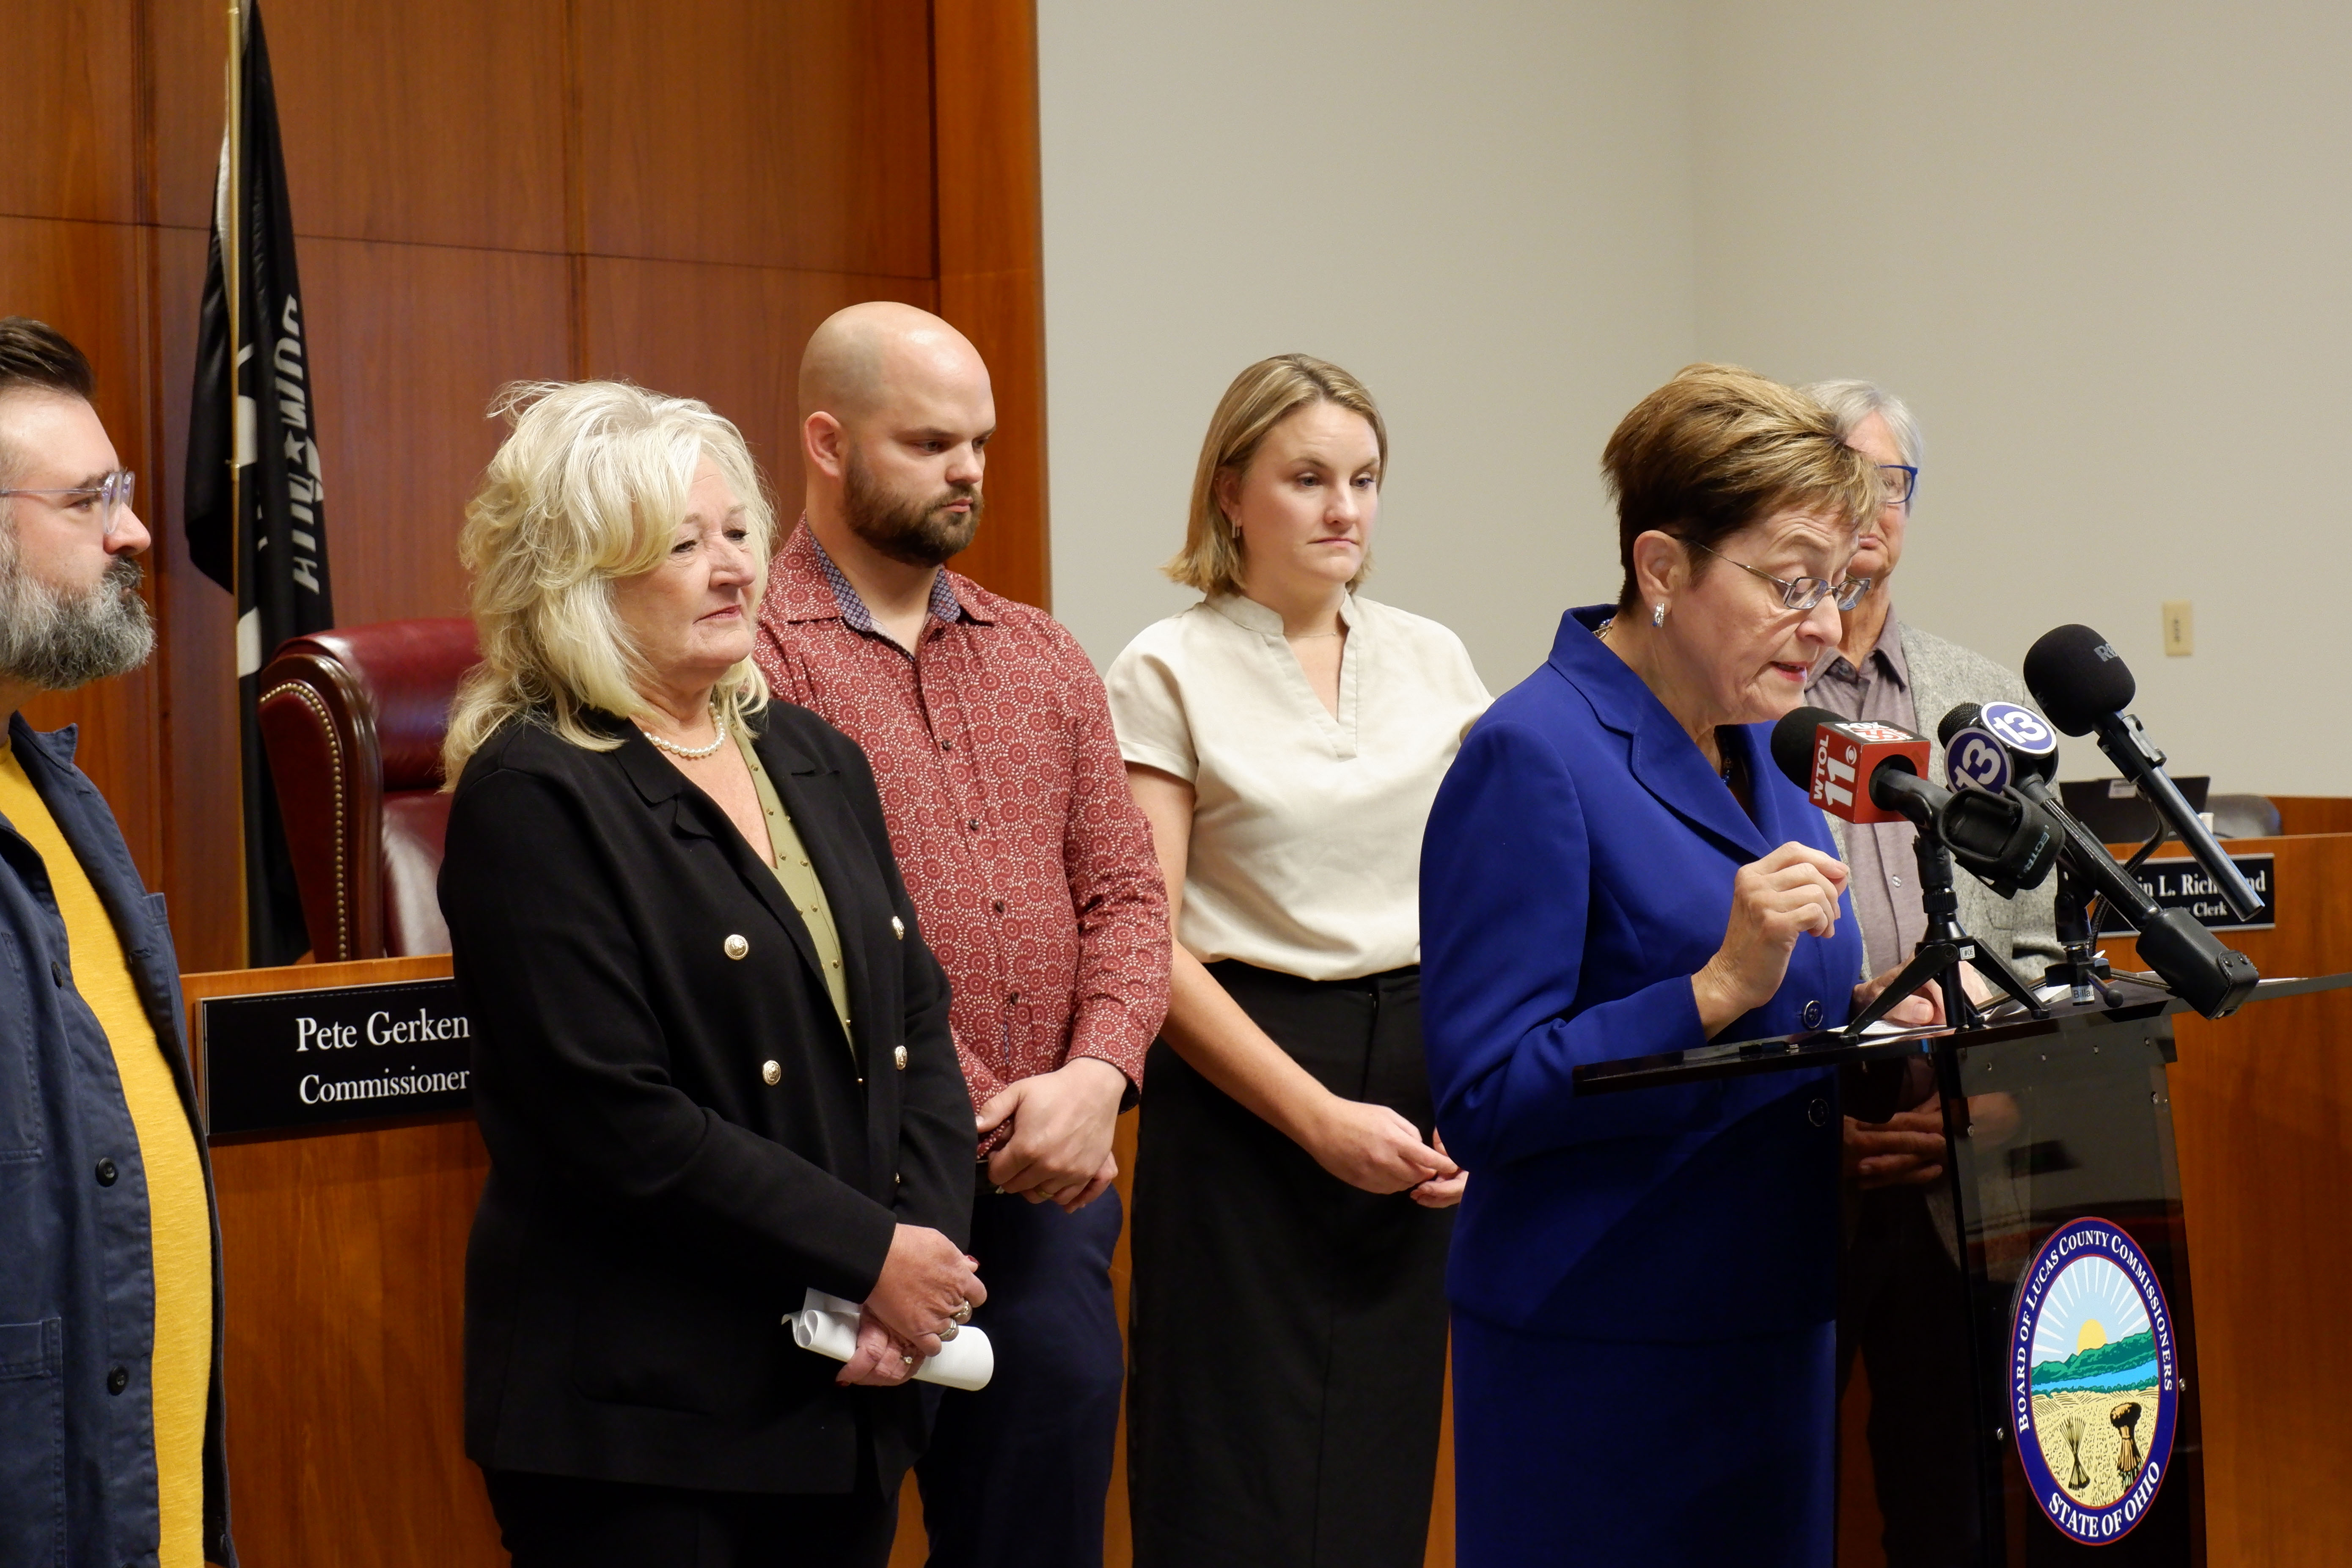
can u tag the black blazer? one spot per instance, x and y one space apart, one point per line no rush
655 1203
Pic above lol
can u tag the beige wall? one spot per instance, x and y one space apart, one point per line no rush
2099 247
1482 209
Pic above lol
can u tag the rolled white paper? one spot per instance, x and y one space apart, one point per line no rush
828 1325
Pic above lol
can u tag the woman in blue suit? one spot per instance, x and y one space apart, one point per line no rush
1643 1283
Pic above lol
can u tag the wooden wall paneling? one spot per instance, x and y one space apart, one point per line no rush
187 50
87 279
793 134
729 335
991 268
438 124
73 97
2262 1107
410 343
2307 814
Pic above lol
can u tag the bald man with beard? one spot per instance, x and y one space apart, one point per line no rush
1033 876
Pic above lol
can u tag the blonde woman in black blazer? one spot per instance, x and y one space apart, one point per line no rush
711 1052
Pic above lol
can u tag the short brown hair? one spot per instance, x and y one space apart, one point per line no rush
35 355
1260 398
1719 447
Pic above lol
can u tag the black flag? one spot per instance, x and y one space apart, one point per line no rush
255 523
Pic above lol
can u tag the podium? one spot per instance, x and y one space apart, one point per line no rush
2081 1347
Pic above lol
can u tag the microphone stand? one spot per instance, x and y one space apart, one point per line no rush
2085 969
1942 950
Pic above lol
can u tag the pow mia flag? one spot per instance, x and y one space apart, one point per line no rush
256 519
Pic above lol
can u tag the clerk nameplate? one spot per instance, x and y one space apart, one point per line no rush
2181 884
345 1053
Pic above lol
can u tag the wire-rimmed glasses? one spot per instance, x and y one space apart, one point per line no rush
1804 593
108 500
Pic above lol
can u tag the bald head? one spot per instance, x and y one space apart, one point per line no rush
896 416
858 358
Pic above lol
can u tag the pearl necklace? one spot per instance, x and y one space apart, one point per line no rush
691 753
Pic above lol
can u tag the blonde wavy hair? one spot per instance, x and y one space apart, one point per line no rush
588 489
1260 398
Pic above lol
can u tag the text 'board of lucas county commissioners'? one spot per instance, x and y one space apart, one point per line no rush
347 1053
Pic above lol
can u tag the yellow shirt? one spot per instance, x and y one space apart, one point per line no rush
177 1218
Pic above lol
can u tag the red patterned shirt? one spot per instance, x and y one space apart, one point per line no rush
1001 779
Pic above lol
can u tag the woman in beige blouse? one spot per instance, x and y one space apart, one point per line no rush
1286 737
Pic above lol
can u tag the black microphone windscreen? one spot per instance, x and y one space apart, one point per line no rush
1957 719
1792 743
2078 678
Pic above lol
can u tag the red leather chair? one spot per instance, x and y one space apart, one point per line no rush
354 721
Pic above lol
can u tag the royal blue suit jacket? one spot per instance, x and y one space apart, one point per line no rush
1577 871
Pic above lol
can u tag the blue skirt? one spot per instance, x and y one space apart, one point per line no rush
1590 1453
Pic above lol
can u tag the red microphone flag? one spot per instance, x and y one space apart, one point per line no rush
1846 754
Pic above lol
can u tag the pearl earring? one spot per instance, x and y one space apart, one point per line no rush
1657 615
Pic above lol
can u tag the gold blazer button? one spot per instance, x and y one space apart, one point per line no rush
900 1055
735 947
770 1074
897 928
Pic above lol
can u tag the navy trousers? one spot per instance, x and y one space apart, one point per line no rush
1016 1474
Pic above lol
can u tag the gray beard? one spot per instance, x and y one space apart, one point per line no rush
56 641
917 533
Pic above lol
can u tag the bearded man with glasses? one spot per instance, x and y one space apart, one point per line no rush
1902 1285
110 1304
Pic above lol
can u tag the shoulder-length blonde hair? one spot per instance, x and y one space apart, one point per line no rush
588 488
1260 398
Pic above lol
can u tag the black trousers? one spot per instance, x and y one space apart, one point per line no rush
1287 1331
1017 1473
1903 1308
562 1521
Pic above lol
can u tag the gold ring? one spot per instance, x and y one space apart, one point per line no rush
907 1359
949 1333
963 1314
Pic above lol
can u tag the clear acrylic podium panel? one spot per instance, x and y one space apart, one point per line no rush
2082 1349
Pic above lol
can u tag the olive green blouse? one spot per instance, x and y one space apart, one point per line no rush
800 881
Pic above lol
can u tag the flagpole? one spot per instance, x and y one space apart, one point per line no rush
232 241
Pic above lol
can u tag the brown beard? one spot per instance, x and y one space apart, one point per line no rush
917 532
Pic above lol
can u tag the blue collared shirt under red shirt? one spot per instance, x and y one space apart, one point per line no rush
1007 803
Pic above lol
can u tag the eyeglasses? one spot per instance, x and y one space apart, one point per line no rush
1805 592
1902 481
108 500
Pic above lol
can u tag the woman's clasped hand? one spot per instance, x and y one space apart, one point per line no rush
927 1291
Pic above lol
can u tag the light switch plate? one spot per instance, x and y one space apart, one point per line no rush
2180 630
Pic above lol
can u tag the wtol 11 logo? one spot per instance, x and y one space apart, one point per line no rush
2094 1385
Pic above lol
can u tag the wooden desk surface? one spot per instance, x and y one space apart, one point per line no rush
2261 1113
345 1257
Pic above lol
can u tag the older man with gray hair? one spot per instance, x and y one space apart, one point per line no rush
1903 1304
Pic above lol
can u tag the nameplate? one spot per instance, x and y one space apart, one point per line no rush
346 1053
2183 884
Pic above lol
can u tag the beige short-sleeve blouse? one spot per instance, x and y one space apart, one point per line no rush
1306 851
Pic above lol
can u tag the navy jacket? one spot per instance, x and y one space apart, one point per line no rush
76 1280
1576 872
682 1142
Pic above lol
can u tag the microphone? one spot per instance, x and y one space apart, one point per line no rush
1855 770
2210 977
2084 685
1988 746
1861 771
